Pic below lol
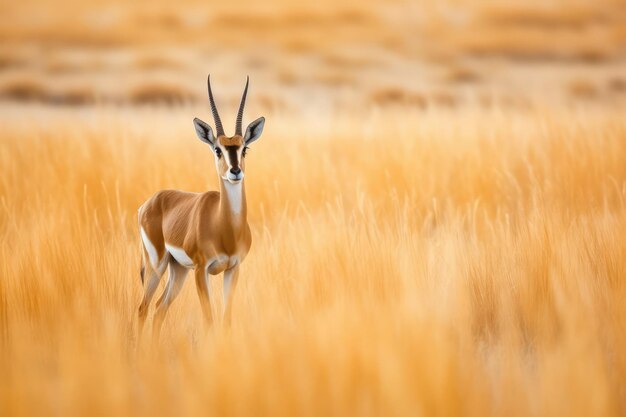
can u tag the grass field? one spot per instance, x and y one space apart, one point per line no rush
438 228
433 269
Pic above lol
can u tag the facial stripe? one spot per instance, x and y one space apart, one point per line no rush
232 156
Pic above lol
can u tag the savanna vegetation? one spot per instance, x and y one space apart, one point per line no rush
438 207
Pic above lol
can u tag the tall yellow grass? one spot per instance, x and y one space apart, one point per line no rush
437 262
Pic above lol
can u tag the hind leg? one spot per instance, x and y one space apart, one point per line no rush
154 260
152 282
175 281
151 277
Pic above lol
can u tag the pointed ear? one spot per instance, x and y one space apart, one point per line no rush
254 130
204 132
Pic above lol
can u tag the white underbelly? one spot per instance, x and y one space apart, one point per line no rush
180 255
214 265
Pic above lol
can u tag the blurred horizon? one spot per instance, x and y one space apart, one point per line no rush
330 54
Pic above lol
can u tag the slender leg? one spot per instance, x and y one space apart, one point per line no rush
150 286
204 294
175 281
230 284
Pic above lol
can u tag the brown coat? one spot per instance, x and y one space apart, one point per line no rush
203 225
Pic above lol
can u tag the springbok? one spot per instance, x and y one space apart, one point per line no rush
207 232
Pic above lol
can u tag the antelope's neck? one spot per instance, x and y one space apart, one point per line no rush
233 204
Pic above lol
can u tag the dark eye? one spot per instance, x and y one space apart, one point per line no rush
245 150
218 152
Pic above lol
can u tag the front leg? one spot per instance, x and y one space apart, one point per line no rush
204 294
230 284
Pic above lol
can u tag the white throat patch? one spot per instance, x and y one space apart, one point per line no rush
233 193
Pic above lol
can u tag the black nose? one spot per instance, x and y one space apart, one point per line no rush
235 171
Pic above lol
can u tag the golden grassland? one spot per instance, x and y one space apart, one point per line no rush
424 262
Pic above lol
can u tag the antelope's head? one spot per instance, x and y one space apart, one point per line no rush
229 151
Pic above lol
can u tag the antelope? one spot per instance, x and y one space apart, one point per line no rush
207 232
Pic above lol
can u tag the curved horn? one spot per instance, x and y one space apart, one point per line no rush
241 106
218 123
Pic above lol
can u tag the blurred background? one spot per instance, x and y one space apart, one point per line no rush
318 56
475 267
